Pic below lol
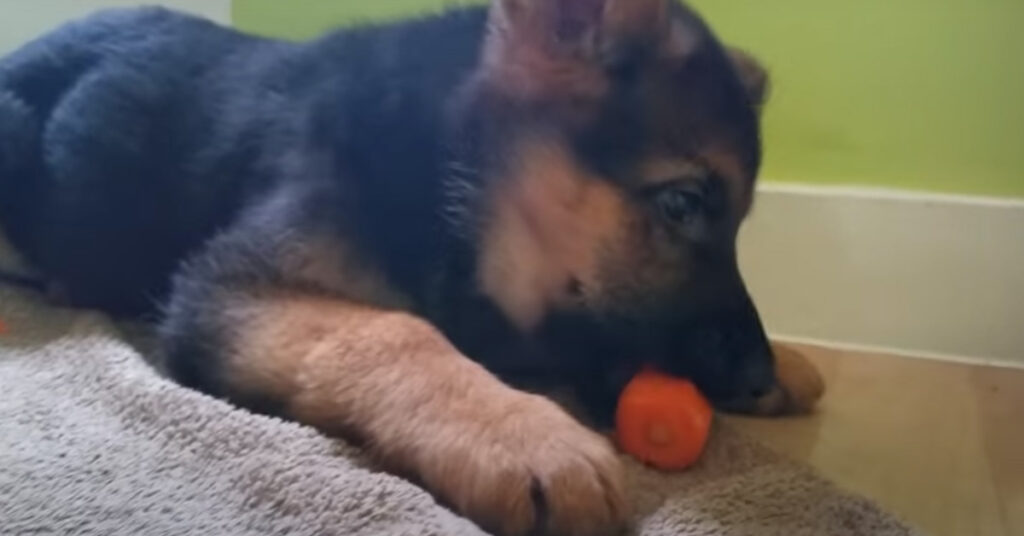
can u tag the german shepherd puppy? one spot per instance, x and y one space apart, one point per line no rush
365 232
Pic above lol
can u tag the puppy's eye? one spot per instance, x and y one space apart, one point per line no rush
679 205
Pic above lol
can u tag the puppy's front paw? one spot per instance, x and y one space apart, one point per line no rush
799 385
526 467
799 378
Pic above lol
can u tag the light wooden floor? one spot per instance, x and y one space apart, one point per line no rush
939 444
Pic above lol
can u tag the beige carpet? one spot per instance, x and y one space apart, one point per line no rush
94 441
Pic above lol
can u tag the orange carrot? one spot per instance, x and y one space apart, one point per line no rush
662 421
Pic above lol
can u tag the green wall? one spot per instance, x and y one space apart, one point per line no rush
918 94
911 94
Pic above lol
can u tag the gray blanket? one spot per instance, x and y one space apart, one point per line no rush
94 441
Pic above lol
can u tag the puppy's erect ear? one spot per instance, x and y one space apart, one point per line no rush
560 48
753 76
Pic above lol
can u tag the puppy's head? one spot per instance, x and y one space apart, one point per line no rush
614 145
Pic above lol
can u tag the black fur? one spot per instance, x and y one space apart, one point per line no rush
147 112
143 150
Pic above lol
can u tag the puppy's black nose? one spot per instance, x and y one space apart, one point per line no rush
753 380
757 376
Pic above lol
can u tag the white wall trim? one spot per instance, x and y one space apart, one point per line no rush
876 193
886 350
912 273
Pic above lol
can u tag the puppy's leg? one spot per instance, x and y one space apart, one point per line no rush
511 461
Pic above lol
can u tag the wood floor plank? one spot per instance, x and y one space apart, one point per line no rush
940 444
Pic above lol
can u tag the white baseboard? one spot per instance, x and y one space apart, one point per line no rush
920 274
899 352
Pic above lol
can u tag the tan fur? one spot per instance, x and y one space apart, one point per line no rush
324 262
393 381
716 161
665 170
551 222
